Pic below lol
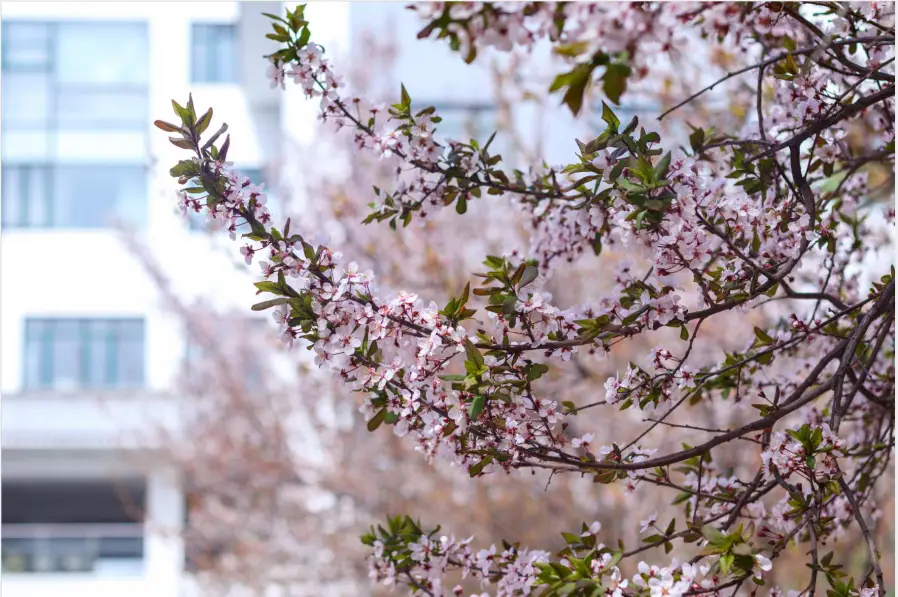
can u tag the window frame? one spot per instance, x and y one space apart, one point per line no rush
50 201
57 89
214 72
100 521
43 338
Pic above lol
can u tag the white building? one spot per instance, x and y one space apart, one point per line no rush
89 355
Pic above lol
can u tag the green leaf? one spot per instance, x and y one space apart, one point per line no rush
763 337
713 535
184 168
406 100
223 152
453 377
473 354
575 81
168 127
182 143
273 17
697 139
726 563
269 304
378 419
213 138
536 370
477 406
660 171
266 286
203 123
304 37
530 274
605 477
614 81
571 50
477 468
609 117
183 114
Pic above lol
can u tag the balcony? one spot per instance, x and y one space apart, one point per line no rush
86 419
76 560
99 549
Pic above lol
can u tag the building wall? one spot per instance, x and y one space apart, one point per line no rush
60 272
87 272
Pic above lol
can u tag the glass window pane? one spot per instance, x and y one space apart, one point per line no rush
97 353
26 46
25 191
113 53
199 53
25 100
38 198
84 353
34 353
89 196
129 353
17 555
121 547
66 357
130 364
82 501
214 53
86 108
129 187
11 208
81 199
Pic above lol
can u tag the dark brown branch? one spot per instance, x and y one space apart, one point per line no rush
873 39
824 123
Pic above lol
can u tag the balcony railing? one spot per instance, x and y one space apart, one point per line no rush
108 549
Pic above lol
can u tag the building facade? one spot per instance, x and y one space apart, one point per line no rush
89 352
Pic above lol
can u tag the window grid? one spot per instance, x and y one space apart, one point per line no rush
63 94
40 195
65 350
213 49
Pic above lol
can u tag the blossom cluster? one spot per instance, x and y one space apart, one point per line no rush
723 226
424 560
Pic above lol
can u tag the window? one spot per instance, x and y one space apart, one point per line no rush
73 526
72 196
71 76
68 354
213 53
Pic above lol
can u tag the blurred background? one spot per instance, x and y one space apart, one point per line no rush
156 439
